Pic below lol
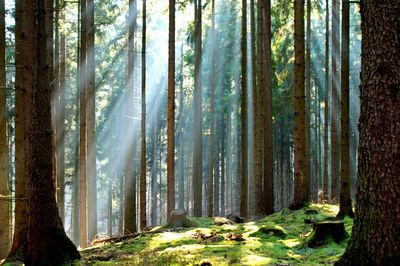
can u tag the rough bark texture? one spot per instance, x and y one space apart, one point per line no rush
345 199
197 131
91 125
299 105
48 244
171 112
142 197
24 61
82 132
130 182
335 108
326 102
375 236
4 205
307 119
243 115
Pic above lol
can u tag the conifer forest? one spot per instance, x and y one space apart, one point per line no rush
200 132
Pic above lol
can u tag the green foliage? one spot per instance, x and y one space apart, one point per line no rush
187 248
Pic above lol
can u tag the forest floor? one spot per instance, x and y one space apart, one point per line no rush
278 239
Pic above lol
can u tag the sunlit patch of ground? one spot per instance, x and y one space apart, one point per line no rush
184 248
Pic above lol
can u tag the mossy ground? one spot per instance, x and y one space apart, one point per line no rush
184 248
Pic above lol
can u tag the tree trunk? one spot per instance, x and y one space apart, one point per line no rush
130 181
374 239
335 145
243 115
326 102
4 205
82 137
299 153
171 112
21 216
181 189
48 244
345 200
142 197
307 118
197 136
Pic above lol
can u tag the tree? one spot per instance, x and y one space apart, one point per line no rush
91 124
171 112
300 195
21 217
307 133
143 221
335 131
326 101
82 130
4 205
130 182
197 130
345 200
48 243
244 178
374 239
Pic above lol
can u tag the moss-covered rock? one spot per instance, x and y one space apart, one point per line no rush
178 218
271 231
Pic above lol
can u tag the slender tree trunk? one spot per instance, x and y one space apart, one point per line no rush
243 115
154 185
307 127
197 136
268 148
181 184
326 103
109 207
130 181
4 205
143 221
374 239
21 215
299 161
171 112
345 199
82 137
48 244
335 131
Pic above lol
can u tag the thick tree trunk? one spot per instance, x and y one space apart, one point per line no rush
299 153
4 205
48 244
197 136
171 112
374 239
345 199
21 59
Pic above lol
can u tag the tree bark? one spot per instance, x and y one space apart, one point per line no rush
326 104
48 244
374 239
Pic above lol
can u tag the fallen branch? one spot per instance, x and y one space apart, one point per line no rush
10 198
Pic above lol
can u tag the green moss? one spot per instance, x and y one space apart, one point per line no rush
258 248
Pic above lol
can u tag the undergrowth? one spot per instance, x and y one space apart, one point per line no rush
277 239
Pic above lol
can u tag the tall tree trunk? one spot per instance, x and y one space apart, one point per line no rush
268 149
299 153
48 244
154 184
243 115
335 145
21 216
143 221
91 124
345 199
181 185
171 112
4 205
197 136
130 181
212 117
307 118
82 126
326 103
374 239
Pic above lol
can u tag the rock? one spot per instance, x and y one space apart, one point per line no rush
327 230
271 231
178 218
222 221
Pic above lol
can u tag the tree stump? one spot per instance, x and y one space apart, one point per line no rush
324 231
178 218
